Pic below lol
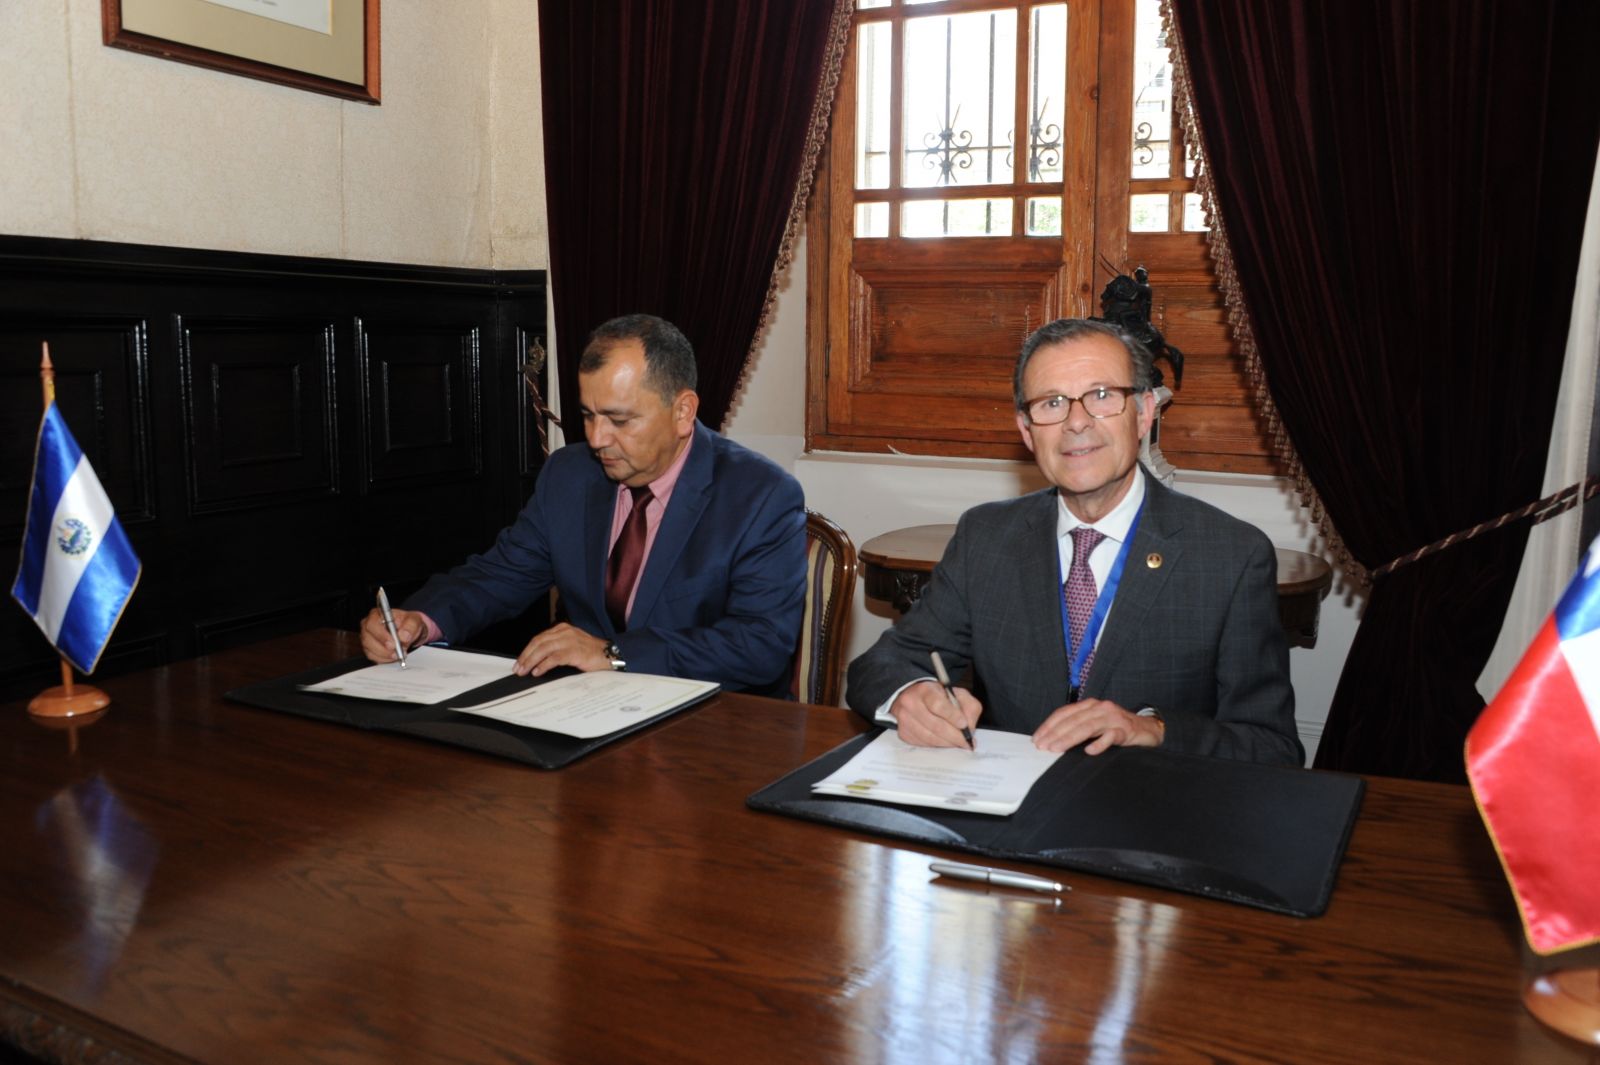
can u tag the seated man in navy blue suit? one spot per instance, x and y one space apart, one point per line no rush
676 551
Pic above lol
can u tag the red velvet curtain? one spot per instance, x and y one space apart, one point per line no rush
1402 186
674 134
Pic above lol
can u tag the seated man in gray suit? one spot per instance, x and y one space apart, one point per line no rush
1108 610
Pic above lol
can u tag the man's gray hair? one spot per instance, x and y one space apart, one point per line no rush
1065 329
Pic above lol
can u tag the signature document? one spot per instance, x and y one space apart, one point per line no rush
994 779
435 674
587 705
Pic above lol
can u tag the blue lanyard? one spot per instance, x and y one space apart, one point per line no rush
1102 606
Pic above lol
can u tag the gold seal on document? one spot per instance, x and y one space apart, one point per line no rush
1153 560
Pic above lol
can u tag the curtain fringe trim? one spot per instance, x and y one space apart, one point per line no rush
816 140
1239 314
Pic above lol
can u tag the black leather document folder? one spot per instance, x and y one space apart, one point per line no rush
537 747
1258 835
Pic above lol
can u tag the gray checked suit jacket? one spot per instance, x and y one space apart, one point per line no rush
1193 630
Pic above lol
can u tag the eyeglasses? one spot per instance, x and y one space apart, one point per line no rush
1107 401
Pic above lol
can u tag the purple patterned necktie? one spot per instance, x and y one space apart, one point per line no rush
1080 592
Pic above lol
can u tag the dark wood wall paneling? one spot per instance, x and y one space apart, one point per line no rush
279 435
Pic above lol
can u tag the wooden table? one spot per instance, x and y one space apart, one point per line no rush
898 563
205 882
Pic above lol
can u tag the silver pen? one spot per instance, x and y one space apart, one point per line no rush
388 623
997 877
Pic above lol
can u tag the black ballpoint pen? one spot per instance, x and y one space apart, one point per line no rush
950 693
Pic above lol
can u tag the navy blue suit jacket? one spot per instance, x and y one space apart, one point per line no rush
722 592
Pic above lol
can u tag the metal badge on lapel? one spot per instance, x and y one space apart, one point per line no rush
1153 560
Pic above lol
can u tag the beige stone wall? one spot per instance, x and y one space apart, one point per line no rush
104 144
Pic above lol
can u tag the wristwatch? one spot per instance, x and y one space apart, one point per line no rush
1150 711
614 654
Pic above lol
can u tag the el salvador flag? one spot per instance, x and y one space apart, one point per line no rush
1533 758
77 570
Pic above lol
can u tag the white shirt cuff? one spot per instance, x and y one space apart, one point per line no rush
882 715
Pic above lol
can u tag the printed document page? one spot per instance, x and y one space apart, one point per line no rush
587 705
993 779
431 675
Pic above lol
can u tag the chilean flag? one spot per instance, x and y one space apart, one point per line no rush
1533 758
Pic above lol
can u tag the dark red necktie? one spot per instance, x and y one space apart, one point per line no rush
627 556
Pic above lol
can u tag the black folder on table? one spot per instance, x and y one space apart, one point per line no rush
1265 836
537 747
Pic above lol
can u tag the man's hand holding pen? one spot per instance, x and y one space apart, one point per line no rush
375 641
924 716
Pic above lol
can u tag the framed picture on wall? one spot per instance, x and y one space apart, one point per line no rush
326 46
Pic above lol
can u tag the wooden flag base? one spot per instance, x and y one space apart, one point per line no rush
1568 1001
68 701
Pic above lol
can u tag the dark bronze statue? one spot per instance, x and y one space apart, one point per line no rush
1126 303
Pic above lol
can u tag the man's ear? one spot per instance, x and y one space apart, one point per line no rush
684 407
1022 427
1147 411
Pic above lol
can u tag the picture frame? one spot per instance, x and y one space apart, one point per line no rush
323 46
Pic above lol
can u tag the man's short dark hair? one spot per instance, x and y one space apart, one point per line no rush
668 356
1064 329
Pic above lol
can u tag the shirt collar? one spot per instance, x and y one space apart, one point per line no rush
1113 525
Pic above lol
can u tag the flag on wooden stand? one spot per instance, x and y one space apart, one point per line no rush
1533 758
77 570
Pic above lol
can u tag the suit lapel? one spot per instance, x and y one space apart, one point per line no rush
689 499
1141 584
1042 597
599 508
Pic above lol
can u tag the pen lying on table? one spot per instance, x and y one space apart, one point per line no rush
997 877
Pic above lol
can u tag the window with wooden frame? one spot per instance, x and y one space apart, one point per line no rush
939 237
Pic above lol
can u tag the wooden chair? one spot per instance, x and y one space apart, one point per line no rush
830 589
